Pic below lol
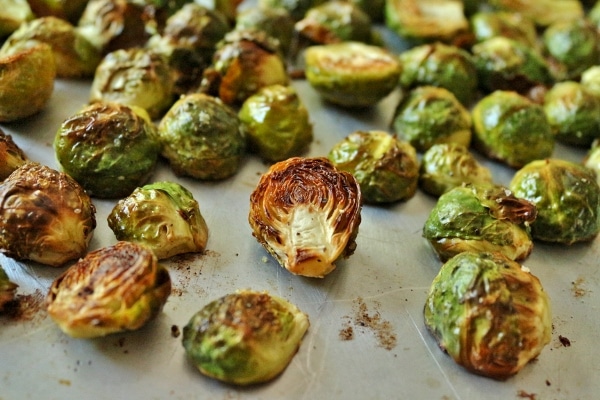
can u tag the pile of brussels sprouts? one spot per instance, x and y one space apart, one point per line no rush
200 86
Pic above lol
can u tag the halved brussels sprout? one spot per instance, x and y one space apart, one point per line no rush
45 216
296 8
386 168
113 289
306 214
445 166
573 113
109 148
490 314
201 138
163 216
134 77
69 10
12 14
567 198
11 156
511 128
542 12
277 22
441 65
244 338
480 217
431 115
275 123
488 24
26 82
352 74
7 289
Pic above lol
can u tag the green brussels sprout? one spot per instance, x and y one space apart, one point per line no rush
431 115
488 24
296 8
387 169
26 82
109 148
590 79
352 74
113 289
572 46
306 214
45 216
277 22
542 12
511 128
567 198
275 123
245 61
244 338
573 113
163 216
134 77
592 159
441 65
335 21
427 20
11 156
12 15
506 64
489 313
7 289
69 10
445 166
201 138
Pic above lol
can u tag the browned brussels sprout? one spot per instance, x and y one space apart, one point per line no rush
12 14
296 8
7 289
542 12
489 313
113 289
277 22
69 10
306 214
45 216
11 156
487 24
229 8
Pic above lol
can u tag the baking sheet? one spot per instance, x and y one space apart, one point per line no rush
367 339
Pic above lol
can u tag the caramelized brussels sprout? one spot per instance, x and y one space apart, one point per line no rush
352 74
69 10
573 113
201 138
109 148
277 22
567 198
45 216
430 115
511 128
489 313
244 338
11 156
296 8
480 217
113 289
306 214
441 65
445 166
7 289
488 24
387 169
26 82
163 216
134 77
12 15
542 12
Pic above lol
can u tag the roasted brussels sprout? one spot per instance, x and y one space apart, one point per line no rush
296 8
445 166
201 138
113 289
277 22
306 214
351 74
134 77
573 113
244 338
430 115
12 15
11 156
109 148
7 289
374 8
45 216
441 65
275 123
511 128
487 24
163 216
542 12
489 313
567 198
480 217
69 10
229 8
427 20
590 79
26 82
387 169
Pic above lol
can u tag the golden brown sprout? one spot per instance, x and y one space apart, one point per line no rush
11 156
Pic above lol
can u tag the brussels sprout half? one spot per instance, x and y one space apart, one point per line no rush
542 12
480 217
163 216
306 214
11 156
244 338
488 24
277 22
490 314
12 14
113 289
7 289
